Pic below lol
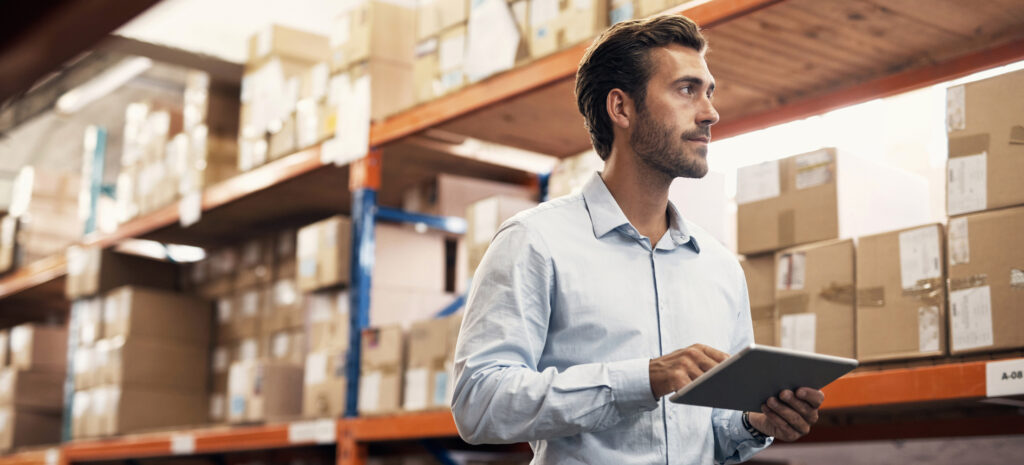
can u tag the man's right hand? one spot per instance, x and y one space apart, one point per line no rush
674 371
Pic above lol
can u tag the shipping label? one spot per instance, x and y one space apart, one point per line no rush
971 318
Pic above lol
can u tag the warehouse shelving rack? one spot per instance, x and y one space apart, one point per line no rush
775 60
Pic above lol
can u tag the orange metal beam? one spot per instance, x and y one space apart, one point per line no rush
33 457
521 80
32 275
402 427
882 87
999 425
958 381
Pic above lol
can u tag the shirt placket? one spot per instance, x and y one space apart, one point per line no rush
659 307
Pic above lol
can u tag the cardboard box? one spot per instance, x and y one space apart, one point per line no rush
80 407
436 15
484 218
38 347
450 195
218 412
153 364
400 306
89 313
138 313
431 356
238 317
37 390
286 346
986 281
901 294
8 243
285 310
324 249
325 383
123 410
283 141
4 348
281 41
307 251
556 25
760 273
20 428
256 263
328 320
392 85
986 144
380 375
814 298
824 195
85 373
262 390
285 243
373 30
407 259
92 271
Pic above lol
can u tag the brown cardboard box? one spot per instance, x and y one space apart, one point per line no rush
263 390
285 310
484 218
307 249
901 294
986 144
153 364
374 30
285 243
425 71
556 25
284 141
328 320
92 271
392 88
451 195
428 371
89 313
80 408
256 263
135 312
814 298
122 410
286 346
281 41
20 428
325 383
760 273
399 306
986 281
437 15
38 390
238 317
218 406
380 378
333 252
407 259
8 243
38 347
221 358
85 373
819 196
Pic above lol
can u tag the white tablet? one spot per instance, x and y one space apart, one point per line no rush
747 379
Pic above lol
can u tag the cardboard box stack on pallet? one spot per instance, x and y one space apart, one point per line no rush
556 25
43 217
439 66
32 366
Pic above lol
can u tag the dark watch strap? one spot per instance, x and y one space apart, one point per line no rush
750 428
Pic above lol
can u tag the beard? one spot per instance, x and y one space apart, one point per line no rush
657 148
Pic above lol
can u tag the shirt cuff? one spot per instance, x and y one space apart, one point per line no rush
736 423
631 385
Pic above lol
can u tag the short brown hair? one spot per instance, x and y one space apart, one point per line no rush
620 59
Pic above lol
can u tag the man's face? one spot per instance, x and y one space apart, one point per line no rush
673 126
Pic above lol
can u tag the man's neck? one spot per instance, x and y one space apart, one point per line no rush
641 192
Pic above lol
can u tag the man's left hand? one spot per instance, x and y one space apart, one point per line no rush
789 416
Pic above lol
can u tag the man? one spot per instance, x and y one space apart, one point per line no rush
587 310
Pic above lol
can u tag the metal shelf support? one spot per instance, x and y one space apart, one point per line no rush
448 224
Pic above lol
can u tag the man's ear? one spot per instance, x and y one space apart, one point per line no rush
619 106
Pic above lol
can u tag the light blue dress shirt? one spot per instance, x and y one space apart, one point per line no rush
566 310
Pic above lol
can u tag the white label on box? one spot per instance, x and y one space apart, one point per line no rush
319 76
19 338
758 182
284 293
543 12
77 260
281 344
183 444
354 122
792 271
798 331
250 303
221 360
959 242
264 42
928 329
416 388
316 368
217 407
52 457
956 114
967 184
485 220
452 53
971 318
369 391
919 256
307 122
190 209
7 382
248 349
224 310
813 169
442 394
314 431
1004 378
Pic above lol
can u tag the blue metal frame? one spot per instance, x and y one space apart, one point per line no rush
438 451
542 181
452 307
69 375
364 209
96 179
451 224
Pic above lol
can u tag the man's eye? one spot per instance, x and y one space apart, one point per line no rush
686 90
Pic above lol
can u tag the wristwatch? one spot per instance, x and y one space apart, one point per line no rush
750 428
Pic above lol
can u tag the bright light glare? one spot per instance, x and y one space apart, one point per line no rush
101 85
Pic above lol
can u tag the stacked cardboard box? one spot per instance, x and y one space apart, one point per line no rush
484 218
622 10
814 298
760 273
428 383
325 382
380 371
32 386
556 25
93 270
901 295
149 367
43 217
262 390
8 243
285 67
496 37
376 40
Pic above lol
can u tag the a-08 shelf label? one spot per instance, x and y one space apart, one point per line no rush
1004 378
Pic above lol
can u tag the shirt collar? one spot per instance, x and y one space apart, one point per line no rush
606 216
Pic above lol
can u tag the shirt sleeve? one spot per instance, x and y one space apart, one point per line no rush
500 396
733 443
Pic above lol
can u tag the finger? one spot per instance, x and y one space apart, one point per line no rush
714 353
691 367
813 397
791 416
782 429
805 409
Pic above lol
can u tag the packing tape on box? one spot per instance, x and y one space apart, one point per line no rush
792 304
838 293
978 280
968 145
787 228
926 290
871 297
